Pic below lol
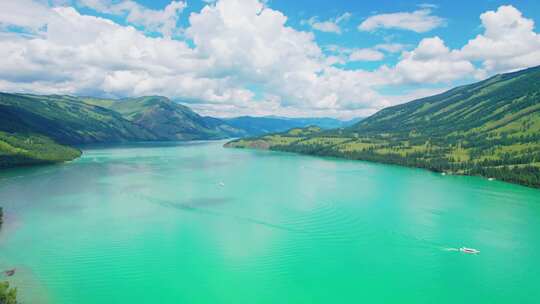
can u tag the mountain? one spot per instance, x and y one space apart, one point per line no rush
255 126
169 120
321 122
66 120
490 128
38 129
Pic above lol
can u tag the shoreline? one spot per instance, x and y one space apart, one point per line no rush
82 147
447 173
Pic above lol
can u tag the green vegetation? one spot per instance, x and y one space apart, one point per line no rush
170 120
8 295
81 120
35 129
38 129
490 128
23 149
66 120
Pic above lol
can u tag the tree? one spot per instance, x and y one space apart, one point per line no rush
8 295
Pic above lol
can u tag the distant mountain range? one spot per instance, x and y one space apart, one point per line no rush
254 126
41 128
490 128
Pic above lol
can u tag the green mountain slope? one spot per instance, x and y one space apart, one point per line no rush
170 120
24 149
37 129
490 128
492 106
66 120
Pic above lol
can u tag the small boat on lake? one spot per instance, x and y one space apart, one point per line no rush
9 273
469 250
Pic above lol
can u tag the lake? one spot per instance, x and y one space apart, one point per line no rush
198 223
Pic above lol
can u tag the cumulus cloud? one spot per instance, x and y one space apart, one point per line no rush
329 26
236 44
430 62
162 21
251 44
25 14
419 21
236 57
509 42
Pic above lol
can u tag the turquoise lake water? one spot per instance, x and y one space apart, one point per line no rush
197 223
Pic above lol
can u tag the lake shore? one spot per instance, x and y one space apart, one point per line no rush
261 145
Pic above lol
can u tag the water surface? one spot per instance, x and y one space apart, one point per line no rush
197 223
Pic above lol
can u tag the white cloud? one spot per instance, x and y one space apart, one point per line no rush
162 21
329 26
342 55
430 62
508 42
419 21
252 45
325 26
390 47
366 55
238 44
25 14
236 57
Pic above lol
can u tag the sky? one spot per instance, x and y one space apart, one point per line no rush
297 58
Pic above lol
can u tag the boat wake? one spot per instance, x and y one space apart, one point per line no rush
450 249
463 250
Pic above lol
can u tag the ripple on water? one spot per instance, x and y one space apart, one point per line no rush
164 229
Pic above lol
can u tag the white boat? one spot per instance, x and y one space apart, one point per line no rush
469 250
222 184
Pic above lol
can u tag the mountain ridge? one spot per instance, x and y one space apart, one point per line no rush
272 124
490 128
41 128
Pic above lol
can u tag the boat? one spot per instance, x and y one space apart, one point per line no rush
9 273
469 250
222 184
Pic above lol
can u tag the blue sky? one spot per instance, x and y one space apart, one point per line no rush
237 57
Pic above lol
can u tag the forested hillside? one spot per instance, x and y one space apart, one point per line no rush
169 120
490 128
66 119
37 128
